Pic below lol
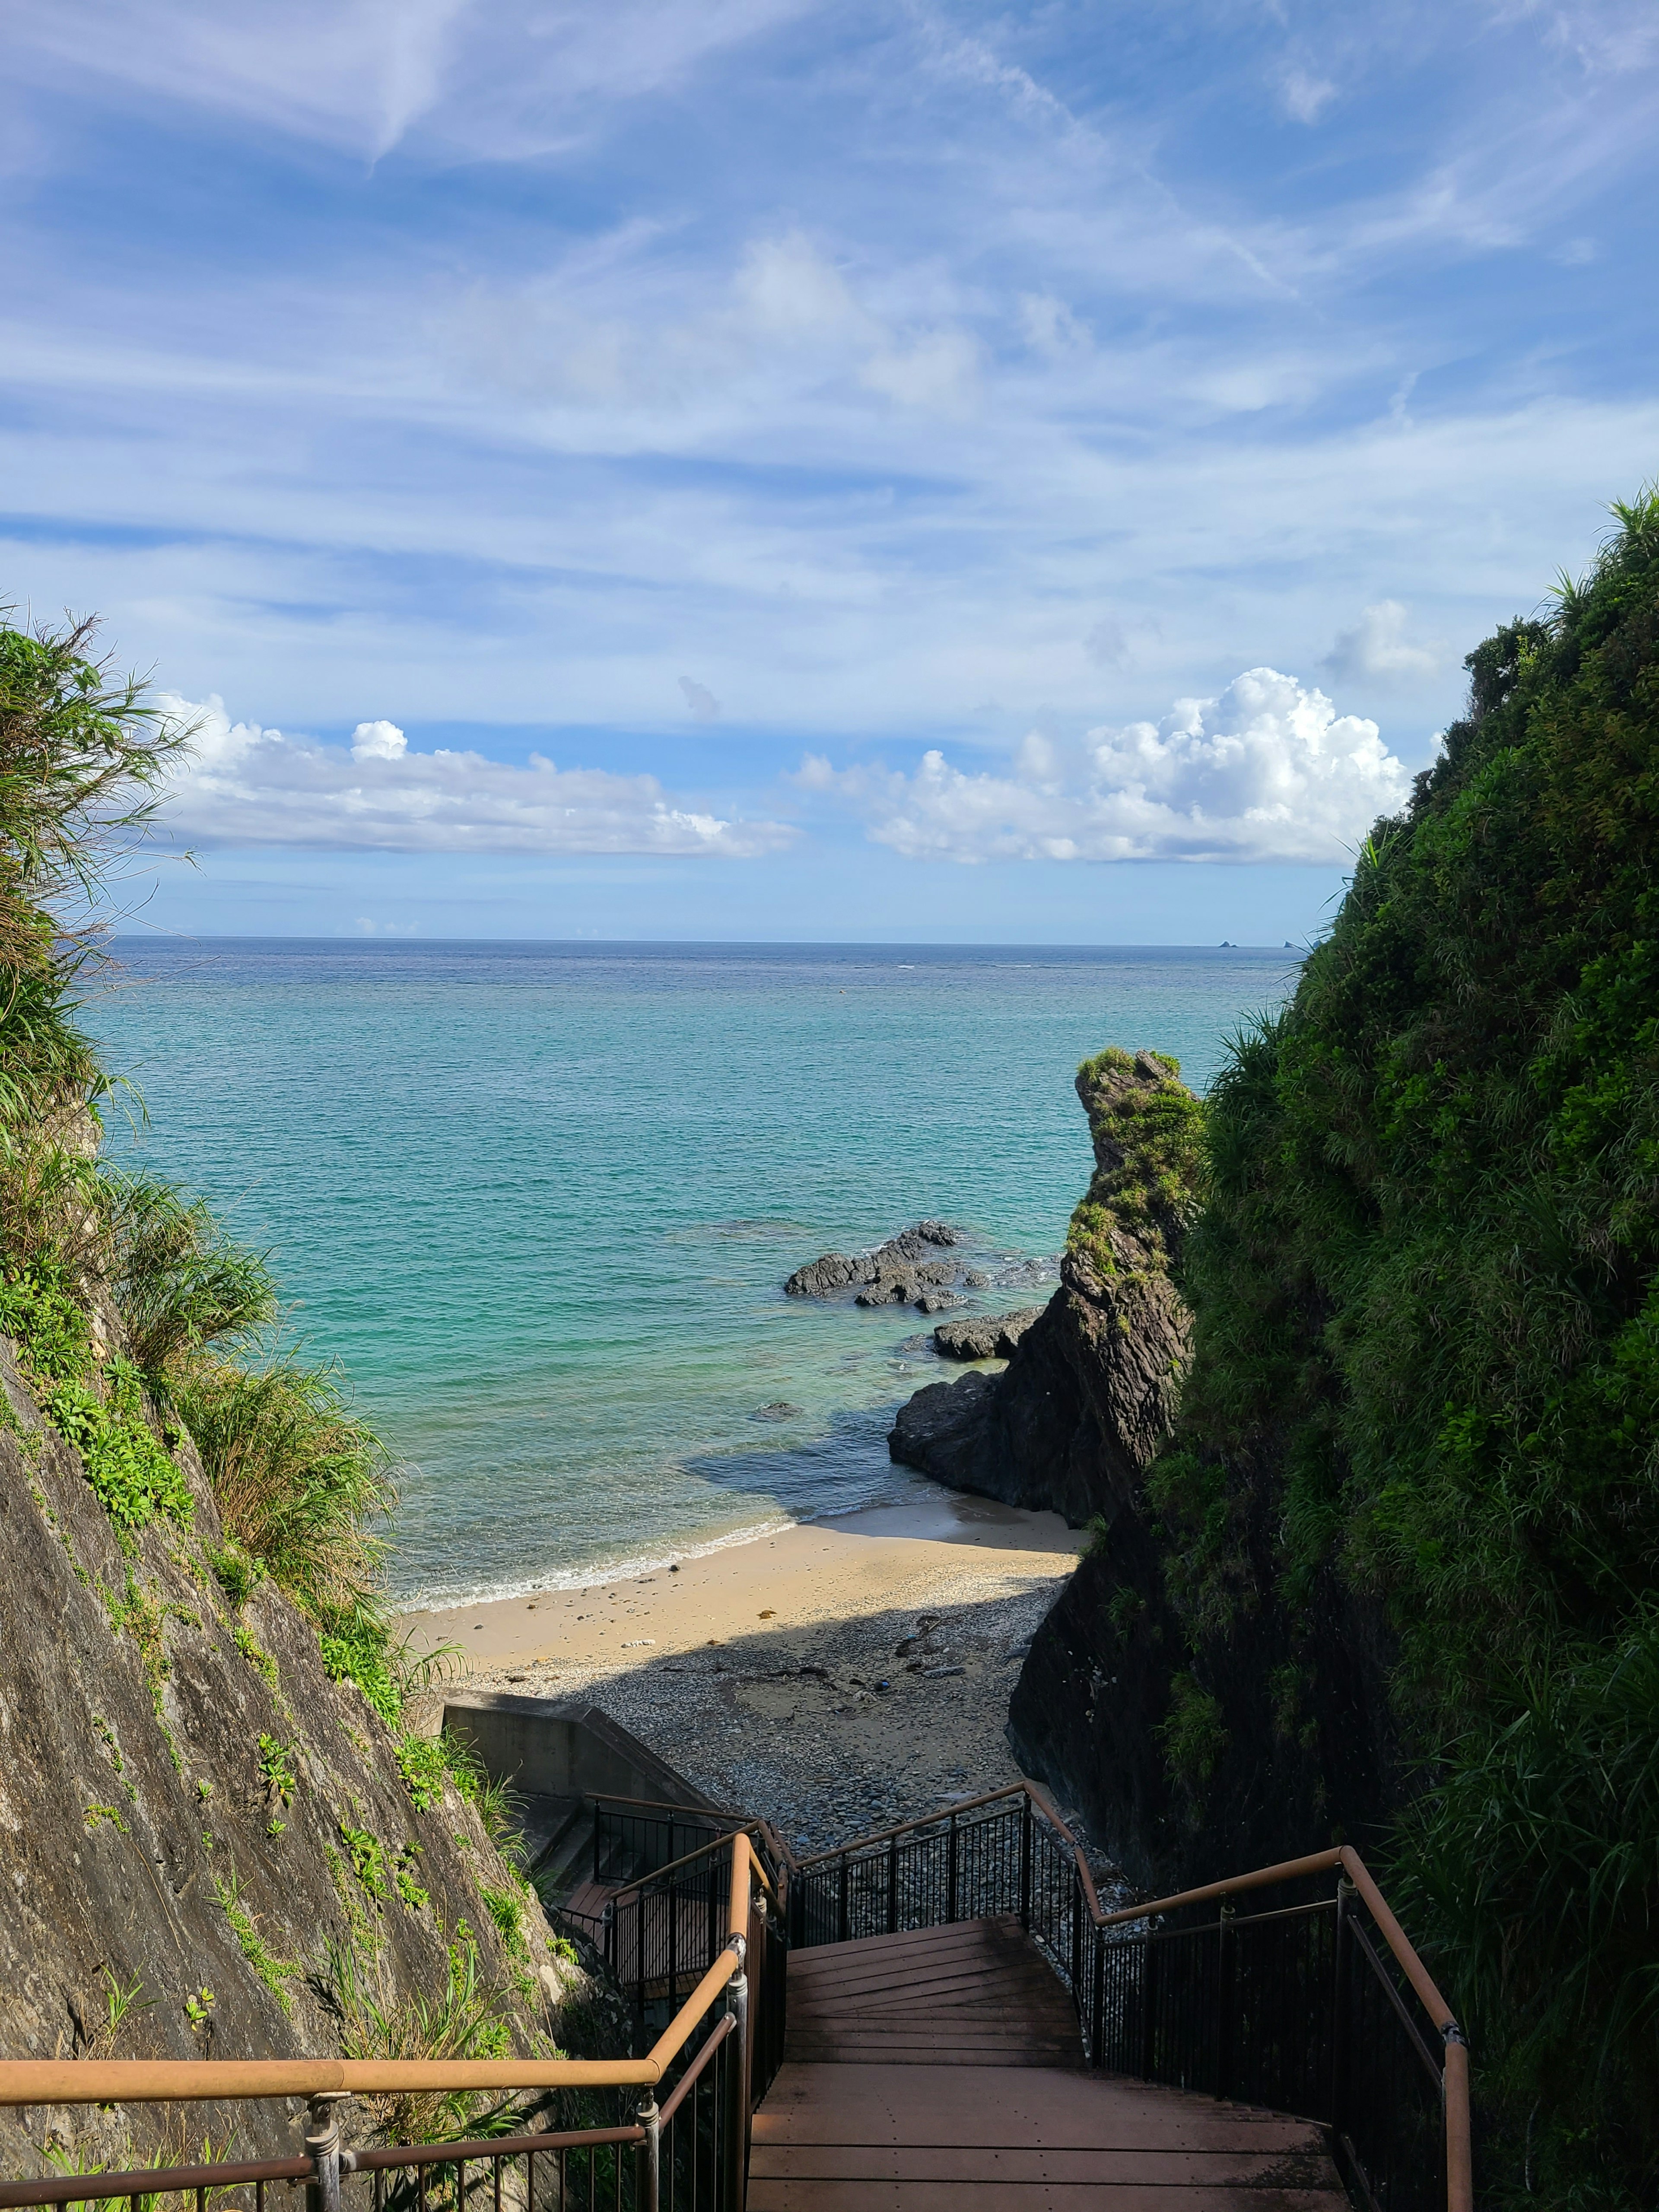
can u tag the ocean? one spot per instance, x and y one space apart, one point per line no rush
539 1200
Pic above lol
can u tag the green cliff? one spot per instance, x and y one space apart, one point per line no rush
1393 1574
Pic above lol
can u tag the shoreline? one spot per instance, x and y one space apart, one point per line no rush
831 1671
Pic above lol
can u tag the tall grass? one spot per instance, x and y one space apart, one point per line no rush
469 2020
298 1476
181 1282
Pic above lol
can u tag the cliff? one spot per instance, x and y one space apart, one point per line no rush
210 1847
1089 1392
1389 1577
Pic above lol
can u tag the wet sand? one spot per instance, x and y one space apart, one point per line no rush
833 1675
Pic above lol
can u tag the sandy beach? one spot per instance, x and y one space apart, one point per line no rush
834 1675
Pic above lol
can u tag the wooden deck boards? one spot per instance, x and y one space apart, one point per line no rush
941 2072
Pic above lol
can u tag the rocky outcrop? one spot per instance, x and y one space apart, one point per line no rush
197 1822
985 1336
900 1255
1090 1390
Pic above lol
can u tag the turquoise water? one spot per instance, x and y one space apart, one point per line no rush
539 1200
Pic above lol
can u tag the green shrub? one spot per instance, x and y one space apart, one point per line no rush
469 2020
1426 1368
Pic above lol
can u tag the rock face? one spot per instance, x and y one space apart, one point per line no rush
1090 1390
192 1812
1093 1713
986 1336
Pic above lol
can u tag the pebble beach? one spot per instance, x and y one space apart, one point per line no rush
836 1675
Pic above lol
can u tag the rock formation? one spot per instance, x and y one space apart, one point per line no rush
985 1336
898 1273
1090 1390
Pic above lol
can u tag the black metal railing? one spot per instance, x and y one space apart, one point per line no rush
1300 2009
632 1839
660 1934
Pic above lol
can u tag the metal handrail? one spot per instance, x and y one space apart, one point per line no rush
142 2081
702 1852
1460 2189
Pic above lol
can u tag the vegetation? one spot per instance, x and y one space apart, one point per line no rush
1425 1285
298 1479
469 2020
1149 1154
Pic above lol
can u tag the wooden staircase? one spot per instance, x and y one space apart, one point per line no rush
940 2071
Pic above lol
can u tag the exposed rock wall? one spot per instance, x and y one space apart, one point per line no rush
190 1805
1089 1392
1299 1749
1176 1781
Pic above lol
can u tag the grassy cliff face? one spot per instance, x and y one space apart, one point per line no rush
1425 1374
220 1833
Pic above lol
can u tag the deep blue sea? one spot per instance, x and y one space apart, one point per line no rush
539 1200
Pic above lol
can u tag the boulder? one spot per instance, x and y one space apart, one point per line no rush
984 1336
907 1252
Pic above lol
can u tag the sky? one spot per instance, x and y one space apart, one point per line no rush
763 470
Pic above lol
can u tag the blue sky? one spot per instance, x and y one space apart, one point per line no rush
747 468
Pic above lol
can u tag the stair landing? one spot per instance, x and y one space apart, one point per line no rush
940 2072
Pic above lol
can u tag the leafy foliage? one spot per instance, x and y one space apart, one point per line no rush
1427 1353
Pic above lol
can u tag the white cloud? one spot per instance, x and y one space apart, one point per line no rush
1305 96
1267 771
378 741
244 785
701 700
1050 327
1377 650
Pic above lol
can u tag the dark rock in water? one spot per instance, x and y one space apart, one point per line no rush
976 1278
837 1271
986 1336
779 1410
933 1302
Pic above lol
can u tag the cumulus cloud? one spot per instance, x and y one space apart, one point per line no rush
1377 650
245 785
1267 771
700 699
378 741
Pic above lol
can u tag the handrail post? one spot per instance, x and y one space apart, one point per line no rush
1025 1865
1097 2020
950 1875
1149 1962
737 2125
323 2149
649 2166
1345 1893
673 1945
1077 1941
892 1885
1455 2085
842 1927
1226 1989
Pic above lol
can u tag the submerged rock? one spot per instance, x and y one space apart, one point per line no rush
906 1253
